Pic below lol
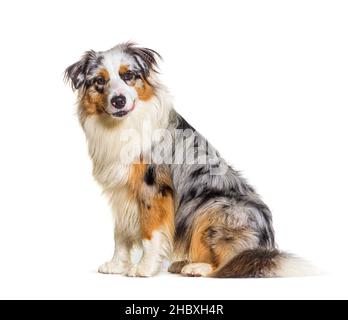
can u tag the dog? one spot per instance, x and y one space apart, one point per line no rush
170 191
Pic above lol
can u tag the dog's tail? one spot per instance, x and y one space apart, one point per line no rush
265 263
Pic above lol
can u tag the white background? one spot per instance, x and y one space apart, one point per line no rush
264 81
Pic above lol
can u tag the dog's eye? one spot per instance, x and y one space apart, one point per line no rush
100 81
128 76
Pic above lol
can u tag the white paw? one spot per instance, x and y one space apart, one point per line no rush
112 268
197 269
142 271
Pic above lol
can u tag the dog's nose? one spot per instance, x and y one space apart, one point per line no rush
118 101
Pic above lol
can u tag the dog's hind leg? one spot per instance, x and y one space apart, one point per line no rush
214 242
201 261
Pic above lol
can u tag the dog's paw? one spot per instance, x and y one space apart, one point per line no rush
111 268
197 270
142 271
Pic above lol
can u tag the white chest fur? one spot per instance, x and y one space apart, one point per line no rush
106 143
105 146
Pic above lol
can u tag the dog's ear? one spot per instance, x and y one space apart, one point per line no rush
147 59
77 74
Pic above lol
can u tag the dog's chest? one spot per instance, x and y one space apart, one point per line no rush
105 147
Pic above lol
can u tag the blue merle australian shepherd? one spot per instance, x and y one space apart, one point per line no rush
170 191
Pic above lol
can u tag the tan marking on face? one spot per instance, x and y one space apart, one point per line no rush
92 101
104 73
123 69
145 91
156 207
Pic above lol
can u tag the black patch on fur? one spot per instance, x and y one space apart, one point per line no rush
184 125
216 234
225 207
99 89
266 231
188 197
199 172
181 235
165 190
211 193
150 176
191 195
264 238
270 235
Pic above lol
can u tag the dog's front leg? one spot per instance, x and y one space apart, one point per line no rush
121 261
157 224
154 253
155 197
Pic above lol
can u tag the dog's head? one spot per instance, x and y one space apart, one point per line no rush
112 82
